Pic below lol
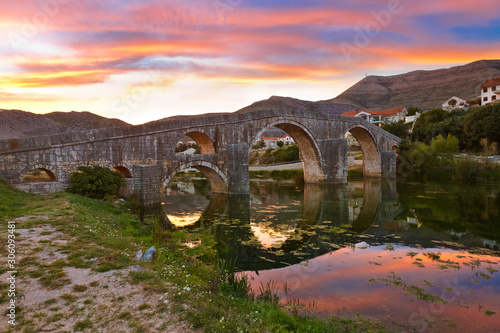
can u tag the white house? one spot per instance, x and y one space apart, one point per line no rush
490 91
411 119
459 103
287 139
272 142
379 117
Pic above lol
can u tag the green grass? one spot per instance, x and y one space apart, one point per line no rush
82 325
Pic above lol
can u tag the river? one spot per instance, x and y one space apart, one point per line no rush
412 256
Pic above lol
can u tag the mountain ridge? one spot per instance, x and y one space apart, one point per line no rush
18 123
426 89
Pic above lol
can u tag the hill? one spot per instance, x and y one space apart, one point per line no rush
286 103
423 89
17 123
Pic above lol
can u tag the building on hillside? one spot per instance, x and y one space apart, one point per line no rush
454 103
272 142
287 139
379 117
411 119
490 91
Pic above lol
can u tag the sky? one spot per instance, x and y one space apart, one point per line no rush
150 59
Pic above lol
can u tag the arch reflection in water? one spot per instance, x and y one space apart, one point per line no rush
277 225
187 203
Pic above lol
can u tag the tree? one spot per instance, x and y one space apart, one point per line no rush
413 111
180 148
260 144
483 123
452 102
399 129
280 144
440 122
95 182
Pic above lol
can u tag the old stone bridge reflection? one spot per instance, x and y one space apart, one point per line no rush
317 220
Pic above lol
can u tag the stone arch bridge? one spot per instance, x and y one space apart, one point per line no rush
146 153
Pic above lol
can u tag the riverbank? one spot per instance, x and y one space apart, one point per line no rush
78 271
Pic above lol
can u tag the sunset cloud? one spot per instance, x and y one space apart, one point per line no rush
53 45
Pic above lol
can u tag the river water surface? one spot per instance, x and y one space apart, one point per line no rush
413 257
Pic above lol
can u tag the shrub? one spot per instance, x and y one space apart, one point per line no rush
428 162
95 182
466 170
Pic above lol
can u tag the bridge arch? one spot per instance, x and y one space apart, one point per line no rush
218 181
310 154
48 169
204 142
372 161
123 170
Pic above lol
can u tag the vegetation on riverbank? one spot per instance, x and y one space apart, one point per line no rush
186 279
289 153
438 161
430 151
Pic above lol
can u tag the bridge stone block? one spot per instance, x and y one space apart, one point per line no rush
147 184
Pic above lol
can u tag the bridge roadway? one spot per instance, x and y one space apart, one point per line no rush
145 154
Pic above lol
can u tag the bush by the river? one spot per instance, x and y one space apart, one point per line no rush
95 182
439 161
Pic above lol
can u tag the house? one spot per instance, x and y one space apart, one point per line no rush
379 117
272 142
454 103
490 91
287 139
411 119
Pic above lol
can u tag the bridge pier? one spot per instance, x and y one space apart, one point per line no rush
388 164
237 168
147 184
335 161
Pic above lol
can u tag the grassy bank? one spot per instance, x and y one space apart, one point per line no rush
185 287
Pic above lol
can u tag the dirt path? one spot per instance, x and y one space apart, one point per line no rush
55 297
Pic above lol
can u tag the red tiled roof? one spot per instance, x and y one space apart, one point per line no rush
381 113
354 113
268 138
490 83
386 112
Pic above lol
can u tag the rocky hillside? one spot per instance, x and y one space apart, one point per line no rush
16 123
424 89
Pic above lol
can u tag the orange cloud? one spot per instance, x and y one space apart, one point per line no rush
57 79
